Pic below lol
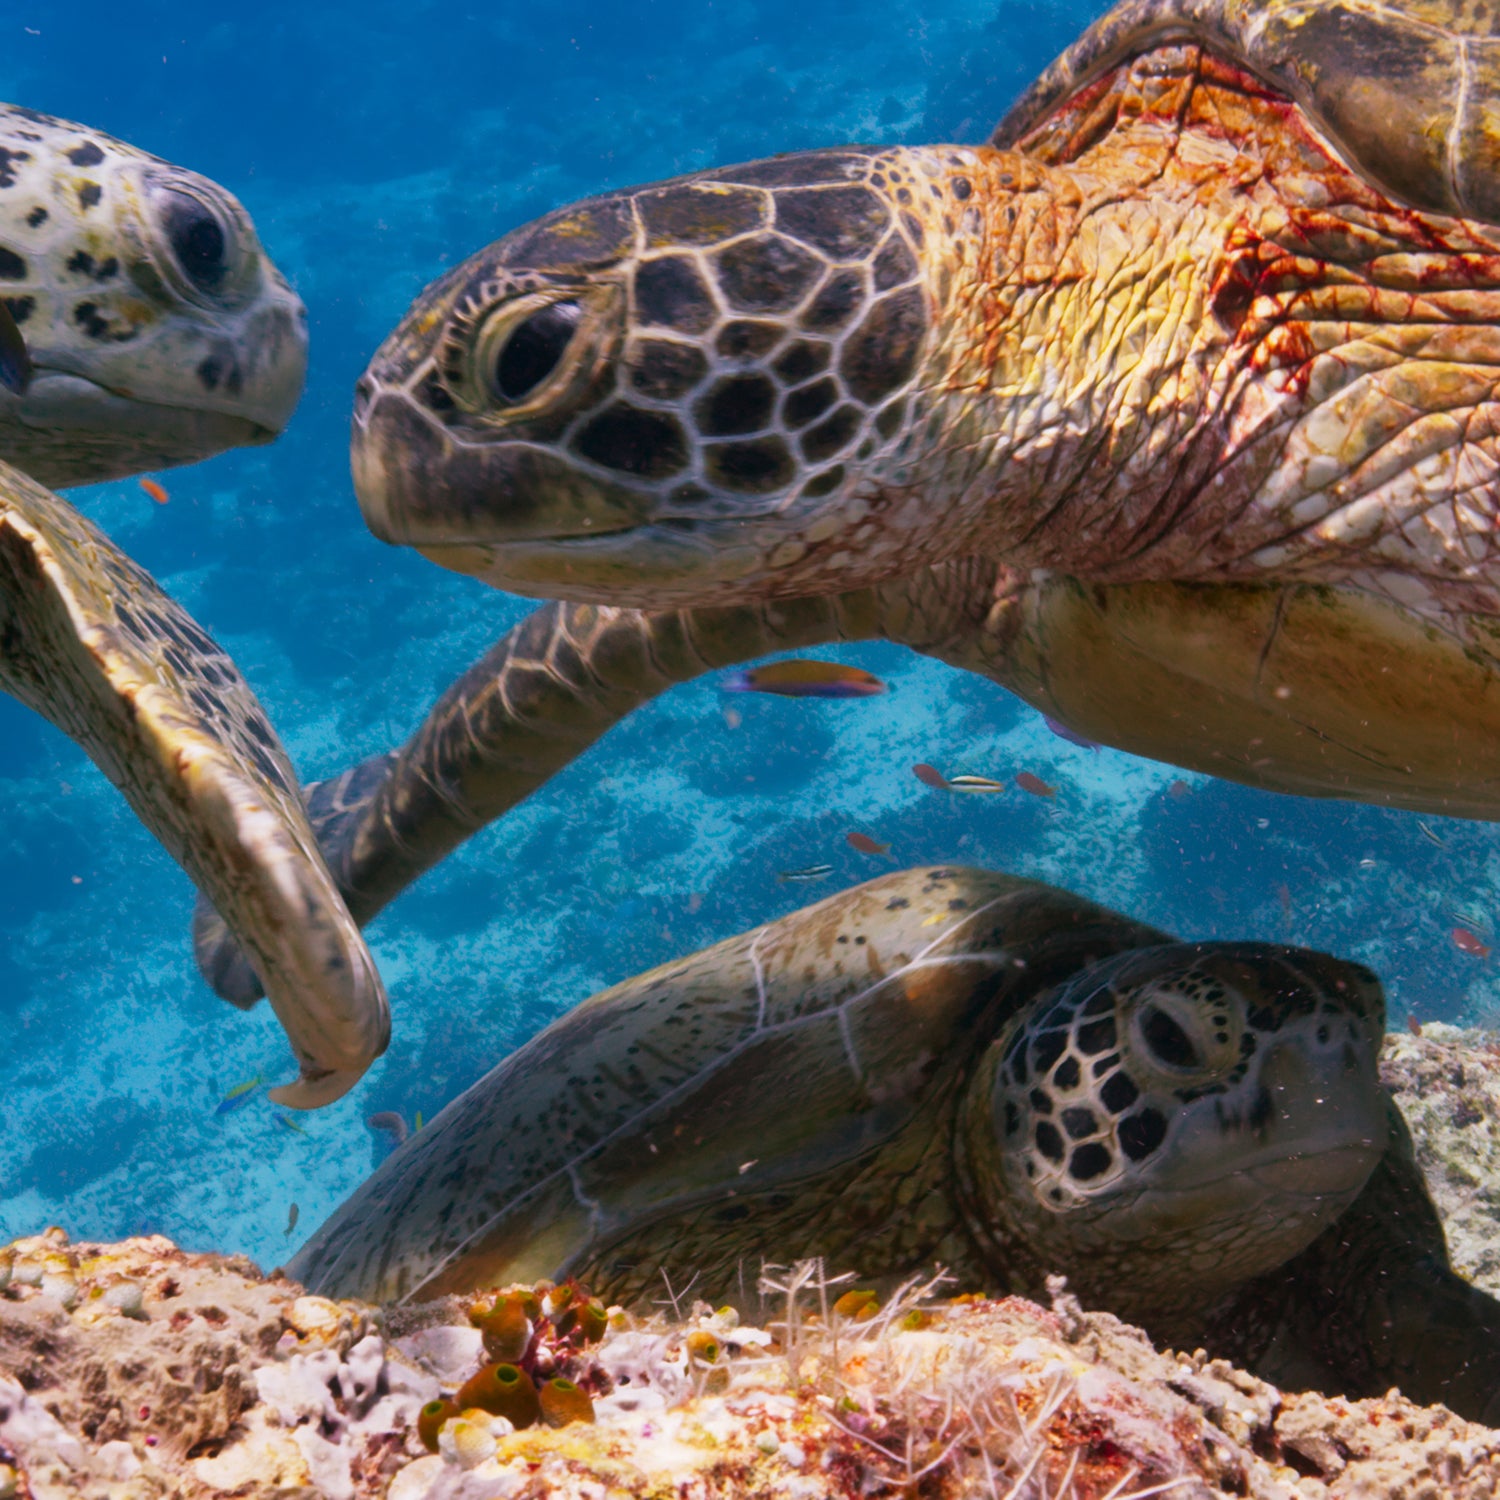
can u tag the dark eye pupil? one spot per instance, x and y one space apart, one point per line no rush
1168 1040
197 240
532 352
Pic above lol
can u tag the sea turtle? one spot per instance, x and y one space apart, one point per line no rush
1172 409
951 1066
143 325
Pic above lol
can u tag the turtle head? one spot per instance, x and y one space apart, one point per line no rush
666 395
158 331
1174 1121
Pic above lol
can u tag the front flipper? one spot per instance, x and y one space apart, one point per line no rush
90 641
1373 1303
536 701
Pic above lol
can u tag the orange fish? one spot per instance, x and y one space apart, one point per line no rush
865 844
1466 942
930 776
1179 789
156 491
1034 784
805 679
1414 1026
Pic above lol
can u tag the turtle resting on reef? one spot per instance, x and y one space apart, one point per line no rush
1172 409
142 325
950 1066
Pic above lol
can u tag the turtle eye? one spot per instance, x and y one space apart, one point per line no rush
1185 1028
200 241
531 350
1167 1040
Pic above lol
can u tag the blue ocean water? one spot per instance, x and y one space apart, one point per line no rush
375 145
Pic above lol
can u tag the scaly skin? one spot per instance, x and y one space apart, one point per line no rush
158 331
941 1065
1194 454
1390 1308
1153 362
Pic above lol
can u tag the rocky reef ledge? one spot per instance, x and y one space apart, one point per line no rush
137 1370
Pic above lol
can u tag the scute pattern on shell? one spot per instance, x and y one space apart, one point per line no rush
803 1044
1405 89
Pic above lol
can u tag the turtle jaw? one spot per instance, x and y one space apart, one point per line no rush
69 430
710 391
1182 1119
522 516
158 329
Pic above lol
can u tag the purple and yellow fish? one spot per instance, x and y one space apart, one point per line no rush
805 679
241 1093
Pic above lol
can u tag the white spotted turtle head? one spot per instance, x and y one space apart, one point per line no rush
158 330
655 393
1205 1110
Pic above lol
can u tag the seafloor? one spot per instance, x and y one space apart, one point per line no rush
134 1371
376 144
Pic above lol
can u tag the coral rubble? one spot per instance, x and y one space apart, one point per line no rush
1447 1082
136 1370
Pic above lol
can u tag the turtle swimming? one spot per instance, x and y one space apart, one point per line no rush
143 326
1171 409
953 1066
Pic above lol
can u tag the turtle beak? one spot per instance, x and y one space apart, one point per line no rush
420 485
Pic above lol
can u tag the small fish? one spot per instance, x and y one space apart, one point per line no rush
1179 789
1431 836
1368 864
931 776
1466 942
733 718
1034 784
805 679
240 1094
15 358
157 492
291 1124
389 1122
975 784
1284 896
812 872
1471 917
291 1220
865 844
1072 736
417 1122
1414 1026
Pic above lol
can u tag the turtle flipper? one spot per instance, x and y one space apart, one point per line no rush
534 702
1373 1303
89 641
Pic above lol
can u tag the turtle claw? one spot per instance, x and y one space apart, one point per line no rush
316 1087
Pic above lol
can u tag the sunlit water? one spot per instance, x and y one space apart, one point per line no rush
375 144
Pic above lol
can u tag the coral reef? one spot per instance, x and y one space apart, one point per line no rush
1447 1082
136 1370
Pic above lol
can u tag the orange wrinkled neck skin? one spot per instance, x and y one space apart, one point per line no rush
1189 342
